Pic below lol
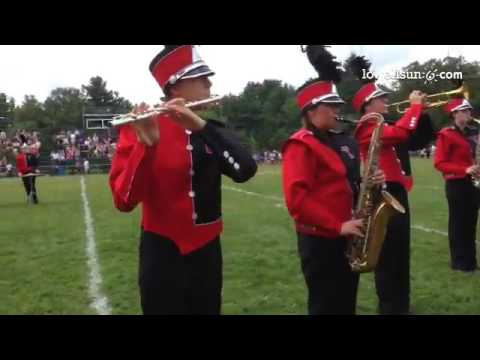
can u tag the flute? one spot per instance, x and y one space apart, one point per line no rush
130 118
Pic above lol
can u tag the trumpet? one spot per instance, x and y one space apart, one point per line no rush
434 100
159 110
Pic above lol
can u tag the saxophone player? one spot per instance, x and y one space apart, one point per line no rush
321 175
455 158
172 164
392 274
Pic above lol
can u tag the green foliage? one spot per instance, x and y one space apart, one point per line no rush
30 115
97 95
64 109
471 75
265 113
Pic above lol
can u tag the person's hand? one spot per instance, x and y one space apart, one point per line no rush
147 130
184 116
474 171
378 178
417 97
352 227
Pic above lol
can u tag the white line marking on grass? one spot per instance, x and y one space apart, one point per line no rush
429 230
433 231
268 173
276 198
99 301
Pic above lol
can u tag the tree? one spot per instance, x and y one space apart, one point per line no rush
471 76
99 96
266 113
30 115
7 110
7 105
63 109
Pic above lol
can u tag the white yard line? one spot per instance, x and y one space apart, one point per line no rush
281 205
267 173
429 230
231 188
99 302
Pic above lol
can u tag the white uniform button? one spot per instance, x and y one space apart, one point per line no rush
403 172
188 132
226 154
191 194
231 160
189 147
194 216
236 166
192 172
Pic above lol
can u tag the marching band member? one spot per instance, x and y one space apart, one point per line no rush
392 275
26 166
455 159
172 164
321 175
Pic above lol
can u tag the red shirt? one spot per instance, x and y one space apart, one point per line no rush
453 154
22 165
318 194
178 181
392 135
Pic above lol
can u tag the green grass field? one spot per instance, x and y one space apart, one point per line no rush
44 264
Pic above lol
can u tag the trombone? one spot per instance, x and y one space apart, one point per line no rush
434 100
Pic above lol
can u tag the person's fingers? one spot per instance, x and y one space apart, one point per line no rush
358 233
176 101
142 137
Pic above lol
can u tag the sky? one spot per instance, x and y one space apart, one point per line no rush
38 69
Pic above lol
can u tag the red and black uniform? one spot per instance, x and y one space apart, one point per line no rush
178 183
26 164
321 175
392 275
453 155
422 138
22 164
320 182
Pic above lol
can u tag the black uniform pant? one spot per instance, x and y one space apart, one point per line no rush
332 286
392 275
462 199
175 284
29 184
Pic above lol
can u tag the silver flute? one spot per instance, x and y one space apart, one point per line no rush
158 110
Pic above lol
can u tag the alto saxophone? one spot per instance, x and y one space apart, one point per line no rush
375 206
476 180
